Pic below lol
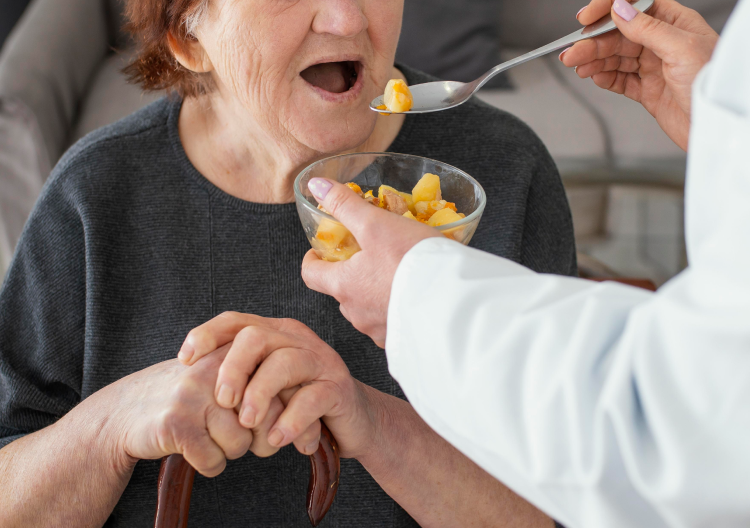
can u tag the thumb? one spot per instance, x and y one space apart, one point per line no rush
664 39
345 206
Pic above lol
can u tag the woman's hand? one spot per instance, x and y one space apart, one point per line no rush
271 362
653 59
362 284
169 408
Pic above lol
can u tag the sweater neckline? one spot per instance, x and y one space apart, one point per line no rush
173 118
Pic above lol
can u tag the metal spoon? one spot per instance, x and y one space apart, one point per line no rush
441 95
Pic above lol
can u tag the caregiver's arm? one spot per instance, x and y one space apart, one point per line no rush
653 59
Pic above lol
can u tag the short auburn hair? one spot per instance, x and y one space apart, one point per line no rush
155 67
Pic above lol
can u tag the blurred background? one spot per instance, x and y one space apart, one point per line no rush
60 78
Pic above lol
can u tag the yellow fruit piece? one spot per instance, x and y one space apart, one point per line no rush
427 189
408 214
426 209
382 107
443 217
397 96
331 234
406 196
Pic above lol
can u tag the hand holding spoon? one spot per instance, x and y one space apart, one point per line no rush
441 95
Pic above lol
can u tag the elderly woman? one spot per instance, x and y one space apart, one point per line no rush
154 226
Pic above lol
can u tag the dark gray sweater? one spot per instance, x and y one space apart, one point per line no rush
129 248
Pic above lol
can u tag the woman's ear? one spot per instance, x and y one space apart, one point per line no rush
190 54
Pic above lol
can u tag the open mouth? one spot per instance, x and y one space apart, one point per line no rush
334 77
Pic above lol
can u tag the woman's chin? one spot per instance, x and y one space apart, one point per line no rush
333 128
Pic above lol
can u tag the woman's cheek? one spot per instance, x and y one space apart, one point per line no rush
384 20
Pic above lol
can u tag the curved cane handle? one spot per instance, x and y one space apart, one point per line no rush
325 469
175 488
176 485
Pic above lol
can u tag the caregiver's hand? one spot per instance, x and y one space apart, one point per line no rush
169 408
653 59
284 361
362 284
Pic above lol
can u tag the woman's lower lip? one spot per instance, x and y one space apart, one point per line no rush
344 97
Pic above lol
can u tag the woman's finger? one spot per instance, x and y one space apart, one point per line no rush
252 345
284 368
595 10
260 446
309 404
217 332
307 443
321 276
356 214
616 63
204 454
665 40
627 84
607 45
225 430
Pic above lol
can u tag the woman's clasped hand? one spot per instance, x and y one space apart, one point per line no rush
277 378
653 58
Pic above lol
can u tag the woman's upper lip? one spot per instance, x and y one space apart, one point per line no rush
335 58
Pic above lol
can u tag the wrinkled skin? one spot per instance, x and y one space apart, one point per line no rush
263 122
272 360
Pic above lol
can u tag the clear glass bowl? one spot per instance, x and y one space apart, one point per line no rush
371 170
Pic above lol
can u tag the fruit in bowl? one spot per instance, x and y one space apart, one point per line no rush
440 196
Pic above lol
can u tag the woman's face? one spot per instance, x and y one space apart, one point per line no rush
305 70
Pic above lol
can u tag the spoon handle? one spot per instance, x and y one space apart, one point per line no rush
601 26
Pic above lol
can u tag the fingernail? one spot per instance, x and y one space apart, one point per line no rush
626 11
312 447
319 188
580 11
275 437
247 418
225 396
563 53
185 353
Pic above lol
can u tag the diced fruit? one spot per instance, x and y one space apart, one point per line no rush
397 97
443 217
427 189
383 107
331 234
333 242
425 210
354 187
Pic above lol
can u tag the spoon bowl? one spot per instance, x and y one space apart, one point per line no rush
441 95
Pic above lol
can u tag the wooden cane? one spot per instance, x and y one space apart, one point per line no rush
176 485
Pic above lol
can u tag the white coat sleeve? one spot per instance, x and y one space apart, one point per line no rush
604 405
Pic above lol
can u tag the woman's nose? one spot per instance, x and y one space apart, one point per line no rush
343 18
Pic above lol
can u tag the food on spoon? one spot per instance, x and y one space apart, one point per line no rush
333 242
397 96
